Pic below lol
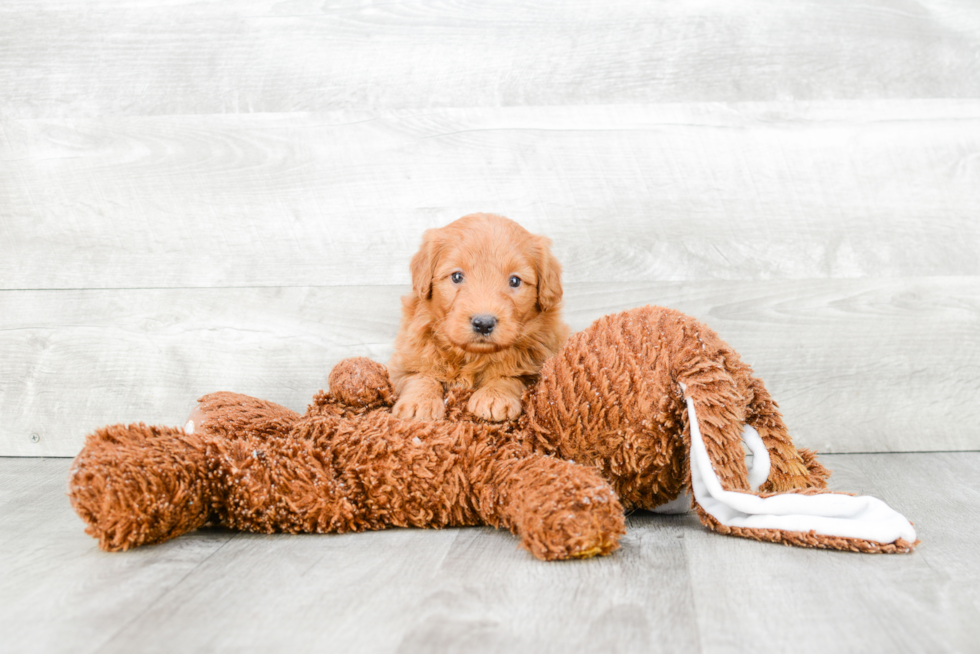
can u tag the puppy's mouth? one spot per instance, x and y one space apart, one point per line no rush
480 345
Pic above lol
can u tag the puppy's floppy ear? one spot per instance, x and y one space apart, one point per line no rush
549 274
424 263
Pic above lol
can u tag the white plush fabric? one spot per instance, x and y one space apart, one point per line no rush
864 517
759 470
758 473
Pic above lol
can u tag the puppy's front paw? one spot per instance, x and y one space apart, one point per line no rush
494 404
419 408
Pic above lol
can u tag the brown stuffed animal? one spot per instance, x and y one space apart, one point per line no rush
632 412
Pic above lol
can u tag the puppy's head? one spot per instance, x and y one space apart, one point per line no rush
485 279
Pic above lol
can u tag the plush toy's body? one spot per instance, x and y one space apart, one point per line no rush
631 413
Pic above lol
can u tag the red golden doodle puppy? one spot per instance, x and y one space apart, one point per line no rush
484 314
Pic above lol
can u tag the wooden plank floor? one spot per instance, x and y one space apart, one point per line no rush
673 587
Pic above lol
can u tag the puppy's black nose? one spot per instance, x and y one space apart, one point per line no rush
483 324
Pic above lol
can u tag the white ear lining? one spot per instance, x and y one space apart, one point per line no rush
759 472
828 514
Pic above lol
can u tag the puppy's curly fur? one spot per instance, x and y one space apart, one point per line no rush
484 314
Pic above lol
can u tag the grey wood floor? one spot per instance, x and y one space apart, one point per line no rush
673 587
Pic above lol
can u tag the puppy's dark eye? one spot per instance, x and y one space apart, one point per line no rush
515 281
457 277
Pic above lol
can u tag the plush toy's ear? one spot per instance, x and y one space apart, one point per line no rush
424 263
549 274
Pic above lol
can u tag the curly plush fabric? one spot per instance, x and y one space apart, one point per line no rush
256 466
606 427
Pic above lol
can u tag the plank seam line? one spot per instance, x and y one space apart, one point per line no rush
901 452
822 454
570 282
196 288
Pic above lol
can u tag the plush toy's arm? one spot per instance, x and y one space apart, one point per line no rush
441 473
559 509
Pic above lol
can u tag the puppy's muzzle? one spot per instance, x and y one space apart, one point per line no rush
483 324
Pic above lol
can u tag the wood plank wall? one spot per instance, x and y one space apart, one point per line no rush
209 195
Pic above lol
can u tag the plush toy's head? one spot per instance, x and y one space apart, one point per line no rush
661 405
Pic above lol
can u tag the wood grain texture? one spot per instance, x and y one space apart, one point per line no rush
671 587
466 590
840 602
856 365
57 593
62 59
646 192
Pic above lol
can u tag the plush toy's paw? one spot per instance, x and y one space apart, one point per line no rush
138 484
586 527
360 382
419 407
495 402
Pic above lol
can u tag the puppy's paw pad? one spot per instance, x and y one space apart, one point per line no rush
419 409
494 406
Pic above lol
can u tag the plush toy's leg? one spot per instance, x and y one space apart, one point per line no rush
559 509
136 484
436 474
327 473
139 484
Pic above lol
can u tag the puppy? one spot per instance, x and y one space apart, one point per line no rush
484 314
